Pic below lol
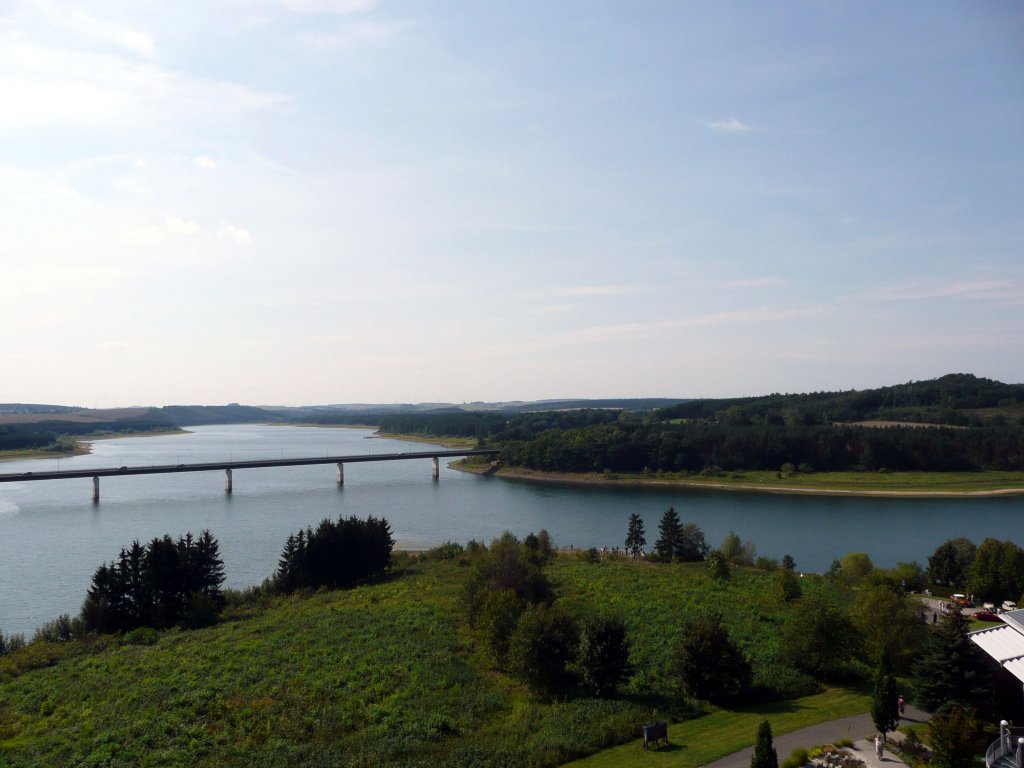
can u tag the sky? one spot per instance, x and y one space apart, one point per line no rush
288 202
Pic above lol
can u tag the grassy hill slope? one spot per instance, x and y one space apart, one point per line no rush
384 674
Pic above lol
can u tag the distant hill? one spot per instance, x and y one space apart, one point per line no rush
960 399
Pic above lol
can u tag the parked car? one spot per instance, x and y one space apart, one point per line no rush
963 601
1009 605
986 616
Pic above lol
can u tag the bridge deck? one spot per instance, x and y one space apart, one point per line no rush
253 464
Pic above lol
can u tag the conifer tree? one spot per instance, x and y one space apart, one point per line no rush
669 528
764 755
635 539
951 668
884 704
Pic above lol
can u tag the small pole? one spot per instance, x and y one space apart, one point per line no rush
95 489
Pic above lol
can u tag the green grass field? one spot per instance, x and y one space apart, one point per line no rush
383 675
923 483
699 741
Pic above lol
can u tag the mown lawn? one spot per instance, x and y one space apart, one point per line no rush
697 742
383 675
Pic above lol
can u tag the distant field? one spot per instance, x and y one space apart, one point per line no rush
84 416
923 483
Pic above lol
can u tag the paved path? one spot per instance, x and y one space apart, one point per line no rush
857 728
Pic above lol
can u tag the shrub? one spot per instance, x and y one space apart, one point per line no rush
787 586
775 681
799 756
11 643
504 566
60 630
545 641
707 663
142 636
717 565
766 564
447 551
603 657
496 621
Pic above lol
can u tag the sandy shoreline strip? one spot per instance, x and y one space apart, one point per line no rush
535 476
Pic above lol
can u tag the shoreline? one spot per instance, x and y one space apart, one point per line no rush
83 445
562 478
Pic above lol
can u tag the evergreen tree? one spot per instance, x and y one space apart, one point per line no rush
635 539
788 562
884 704
764 755
951 668
669 530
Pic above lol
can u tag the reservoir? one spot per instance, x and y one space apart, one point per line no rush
52 536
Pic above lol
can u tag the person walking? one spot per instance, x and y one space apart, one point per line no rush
879 745
900 704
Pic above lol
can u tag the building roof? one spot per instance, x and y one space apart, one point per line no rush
1005 644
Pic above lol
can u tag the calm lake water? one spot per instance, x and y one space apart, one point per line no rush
52 537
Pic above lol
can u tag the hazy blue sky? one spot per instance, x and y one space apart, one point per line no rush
311 201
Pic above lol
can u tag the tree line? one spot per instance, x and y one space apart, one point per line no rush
941 400
157 585
168 582
707 446
992 571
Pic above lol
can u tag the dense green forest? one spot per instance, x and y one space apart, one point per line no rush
951 399
47 434
804 432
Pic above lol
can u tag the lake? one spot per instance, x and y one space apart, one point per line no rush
52 537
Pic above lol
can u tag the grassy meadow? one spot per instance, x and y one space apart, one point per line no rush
385 674
896 483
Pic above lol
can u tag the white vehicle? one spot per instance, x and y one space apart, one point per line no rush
1009 605
990 607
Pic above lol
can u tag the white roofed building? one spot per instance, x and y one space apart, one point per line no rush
1005 644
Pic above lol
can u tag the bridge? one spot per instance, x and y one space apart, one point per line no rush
229 466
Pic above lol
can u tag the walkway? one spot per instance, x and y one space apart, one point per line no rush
857 728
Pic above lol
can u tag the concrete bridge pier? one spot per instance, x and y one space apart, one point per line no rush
436 471
227 481
341 473
95 489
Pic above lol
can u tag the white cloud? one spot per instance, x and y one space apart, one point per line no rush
204 162
236 235
50 192
82 24
178 226
732 125
113 345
